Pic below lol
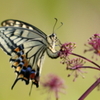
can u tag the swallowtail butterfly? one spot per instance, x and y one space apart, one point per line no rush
26 45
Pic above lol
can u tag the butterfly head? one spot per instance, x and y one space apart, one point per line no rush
53 37
52 40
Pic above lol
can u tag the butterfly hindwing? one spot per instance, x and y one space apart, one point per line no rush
23 66
33 47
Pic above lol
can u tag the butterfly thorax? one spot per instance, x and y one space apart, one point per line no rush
51 51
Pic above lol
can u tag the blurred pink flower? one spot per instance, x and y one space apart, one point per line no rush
52 83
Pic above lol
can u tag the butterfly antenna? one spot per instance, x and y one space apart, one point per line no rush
31 89
55 24
60 25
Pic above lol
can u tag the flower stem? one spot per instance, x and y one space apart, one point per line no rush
90 89
56 98
86 67
86 59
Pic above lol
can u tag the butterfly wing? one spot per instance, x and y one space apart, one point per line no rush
26 66
18 23
26 51
26 45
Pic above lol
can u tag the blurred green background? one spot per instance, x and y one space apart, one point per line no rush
81 19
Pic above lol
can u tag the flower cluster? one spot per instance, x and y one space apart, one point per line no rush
53 83
76 65
66 49
94 44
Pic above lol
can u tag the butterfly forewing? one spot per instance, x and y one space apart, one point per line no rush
34 46
17 23
11 38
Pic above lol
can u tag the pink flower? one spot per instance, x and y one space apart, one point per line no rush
94 44
76 66
52 83
66 49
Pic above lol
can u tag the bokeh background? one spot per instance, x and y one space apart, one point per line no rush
81 20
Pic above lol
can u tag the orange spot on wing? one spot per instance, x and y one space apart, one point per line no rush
21 76
18 68
15 63
26 62
23 56
17 49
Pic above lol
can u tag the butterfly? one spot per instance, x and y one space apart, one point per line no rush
26 45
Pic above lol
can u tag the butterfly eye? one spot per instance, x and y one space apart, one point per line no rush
53 37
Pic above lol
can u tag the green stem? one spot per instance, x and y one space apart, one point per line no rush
56 98
85 67
90 89
86 59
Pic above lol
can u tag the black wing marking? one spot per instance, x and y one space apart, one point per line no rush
31 45
18 23
27 60
27 45
28 68
11 37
